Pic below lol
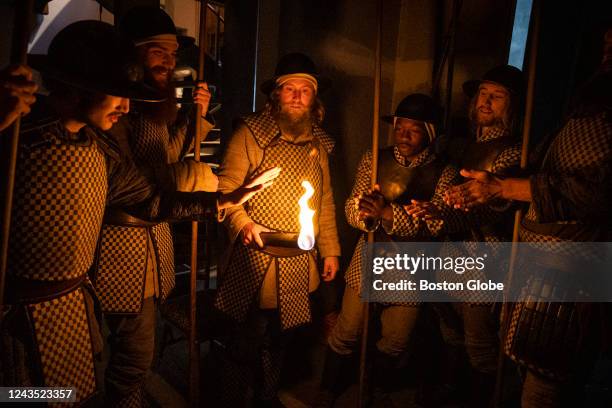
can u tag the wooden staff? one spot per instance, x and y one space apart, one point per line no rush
451 65
373 180
449 43
518 215
194 347
19 50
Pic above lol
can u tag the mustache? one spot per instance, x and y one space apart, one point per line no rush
160 70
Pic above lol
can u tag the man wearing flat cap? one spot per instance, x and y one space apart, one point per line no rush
68 171
266 288
156 137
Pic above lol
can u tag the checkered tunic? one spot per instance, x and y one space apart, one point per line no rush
475 225
403 224
60 194
276 208
570 200
124 251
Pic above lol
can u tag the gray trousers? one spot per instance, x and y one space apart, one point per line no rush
397 325
132 346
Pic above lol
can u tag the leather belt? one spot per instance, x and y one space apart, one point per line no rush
35 291
282 252
114 216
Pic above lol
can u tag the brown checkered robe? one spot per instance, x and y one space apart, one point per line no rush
403 224
277 209
59 202
474 224
123 250
583 145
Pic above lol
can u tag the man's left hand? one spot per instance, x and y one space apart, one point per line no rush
483 188
331 265
201 96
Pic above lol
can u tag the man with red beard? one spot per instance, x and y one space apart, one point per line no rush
265 288
156 137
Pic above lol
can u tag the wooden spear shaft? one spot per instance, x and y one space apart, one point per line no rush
373 181
518 215
194 352
19 50
451 65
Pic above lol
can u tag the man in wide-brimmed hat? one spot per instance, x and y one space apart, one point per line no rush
156 136
68 171
263 287
494 110
408 170
557 334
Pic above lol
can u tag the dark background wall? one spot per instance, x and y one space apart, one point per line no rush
340 37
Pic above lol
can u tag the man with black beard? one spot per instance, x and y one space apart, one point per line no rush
265 288
135 267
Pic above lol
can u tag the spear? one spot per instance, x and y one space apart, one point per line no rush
373 180
518 215
194 352
19 50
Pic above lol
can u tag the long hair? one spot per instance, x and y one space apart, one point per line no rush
317 110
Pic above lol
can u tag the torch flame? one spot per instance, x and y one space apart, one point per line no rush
306 239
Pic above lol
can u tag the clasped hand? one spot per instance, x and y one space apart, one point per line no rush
373 206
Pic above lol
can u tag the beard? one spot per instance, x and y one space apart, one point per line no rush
294 123
152 73
489 120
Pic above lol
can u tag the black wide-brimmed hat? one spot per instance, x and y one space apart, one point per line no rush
507 76
295 63
90 55
146 23
416 107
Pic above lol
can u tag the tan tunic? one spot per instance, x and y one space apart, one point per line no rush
242 158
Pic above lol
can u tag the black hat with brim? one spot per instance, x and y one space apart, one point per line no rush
143 22
416 107
507 76
90 55
295 63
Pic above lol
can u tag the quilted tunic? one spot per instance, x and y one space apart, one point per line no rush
571 201
404 225
276 208
131 256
